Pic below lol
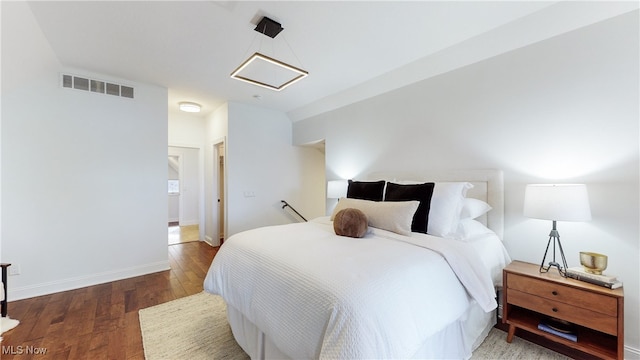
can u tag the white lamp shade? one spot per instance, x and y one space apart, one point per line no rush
337 189
561 202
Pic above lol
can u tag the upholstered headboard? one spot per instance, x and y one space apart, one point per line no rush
488 185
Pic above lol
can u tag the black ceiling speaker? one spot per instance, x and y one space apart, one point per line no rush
269 27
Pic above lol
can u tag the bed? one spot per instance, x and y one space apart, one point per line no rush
300 291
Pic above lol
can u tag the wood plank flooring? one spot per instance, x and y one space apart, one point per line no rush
101 321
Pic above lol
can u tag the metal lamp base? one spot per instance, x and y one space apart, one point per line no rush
562 268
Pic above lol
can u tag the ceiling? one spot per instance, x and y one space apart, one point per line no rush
192 47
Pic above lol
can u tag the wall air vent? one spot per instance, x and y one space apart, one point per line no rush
96 86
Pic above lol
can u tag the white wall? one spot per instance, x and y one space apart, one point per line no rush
561 110
190 191
262 161
173 199
174 208
83 175
186 129
216 131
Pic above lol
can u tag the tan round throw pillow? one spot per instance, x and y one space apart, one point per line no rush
350 222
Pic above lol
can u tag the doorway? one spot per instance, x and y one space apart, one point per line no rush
178 234
218 198
221 200
184 174
173 186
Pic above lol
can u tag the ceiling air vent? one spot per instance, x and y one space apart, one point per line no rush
80 83
113 89
96 86
126 91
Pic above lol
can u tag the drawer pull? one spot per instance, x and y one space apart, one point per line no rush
554 310
554 293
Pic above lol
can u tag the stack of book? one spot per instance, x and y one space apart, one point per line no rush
559 328
608 281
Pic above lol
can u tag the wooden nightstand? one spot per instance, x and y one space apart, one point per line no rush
596 312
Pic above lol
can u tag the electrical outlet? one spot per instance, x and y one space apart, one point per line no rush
14 270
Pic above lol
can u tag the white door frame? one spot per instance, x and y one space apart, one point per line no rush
215 190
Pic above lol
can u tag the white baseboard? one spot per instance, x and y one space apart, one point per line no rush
189 222
631 353
51 287
210 241
185 222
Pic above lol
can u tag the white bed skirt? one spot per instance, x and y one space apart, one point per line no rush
456 341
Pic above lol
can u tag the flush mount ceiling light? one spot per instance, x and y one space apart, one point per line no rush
265 71
189 107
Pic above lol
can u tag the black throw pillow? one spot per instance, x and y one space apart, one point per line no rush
419 192
366 190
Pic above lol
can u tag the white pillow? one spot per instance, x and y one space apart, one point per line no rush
473 208
394 216
446 204
469 228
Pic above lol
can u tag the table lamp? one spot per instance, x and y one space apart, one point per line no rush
337 189
556 202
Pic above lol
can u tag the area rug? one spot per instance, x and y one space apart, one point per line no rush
196 327
495 346
7 324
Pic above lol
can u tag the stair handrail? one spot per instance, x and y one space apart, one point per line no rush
286 204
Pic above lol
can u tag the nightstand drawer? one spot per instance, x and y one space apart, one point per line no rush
604 304
564 311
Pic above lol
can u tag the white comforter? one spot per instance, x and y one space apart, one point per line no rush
319 295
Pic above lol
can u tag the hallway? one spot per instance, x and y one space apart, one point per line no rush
181 234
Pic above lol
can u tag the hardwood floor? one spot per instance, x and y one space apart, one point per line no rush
101 321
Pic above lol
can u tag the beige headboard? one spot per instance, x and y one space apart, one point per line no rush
488 185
